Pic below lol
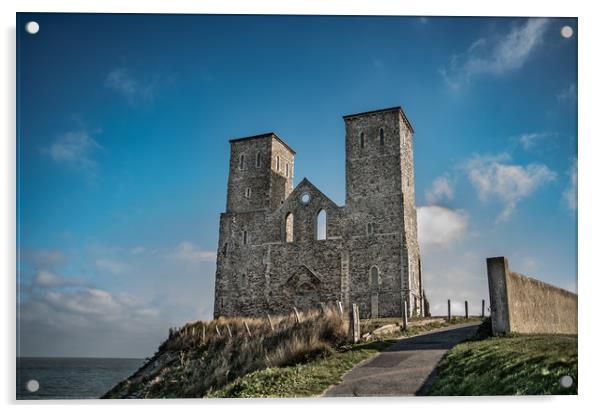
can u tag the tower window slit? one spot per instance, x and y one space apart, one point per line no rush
258 160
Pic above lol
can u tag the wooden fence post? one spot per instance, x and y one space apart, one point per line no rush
217 331
466 309
340 305
482 308
229 331
247 327
405 315
203 332
448 310
271 324
354 325
297 316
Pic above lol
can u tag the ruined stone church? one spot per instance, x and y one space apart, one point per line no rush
282 246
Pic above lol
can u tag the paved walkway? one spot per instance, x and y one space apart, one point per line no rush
406 368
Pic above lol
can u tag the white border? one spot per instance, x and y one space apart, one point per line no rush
589 34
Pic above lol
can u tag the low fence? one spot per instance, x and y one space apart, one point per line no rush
525 305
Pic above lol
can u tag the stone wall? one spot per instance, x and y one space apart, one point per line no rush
525 305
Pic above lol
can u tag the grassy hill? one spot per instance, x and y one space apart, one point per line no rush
508 365
245 357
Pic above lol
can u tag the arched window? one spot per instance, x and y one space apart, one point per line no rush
258 160
278 163
248 193
321 225
225 249
381 134
243 280
362 140
370 228
289 227
245 237
286 170
374 283
241 162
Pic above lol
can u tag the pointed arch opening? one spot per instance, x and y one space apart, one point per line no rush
362 140
381 135
321 225
289 223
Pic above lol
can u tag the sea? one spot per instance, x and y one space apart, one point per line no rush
70 378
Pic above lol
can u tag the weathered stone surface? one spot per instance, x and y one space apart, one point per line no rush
269 258
525 305
386 329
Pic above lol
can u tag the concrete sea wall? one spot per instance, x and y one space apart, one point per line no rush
525 305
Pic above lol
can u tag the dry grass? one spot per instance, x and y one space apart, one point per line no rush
186 365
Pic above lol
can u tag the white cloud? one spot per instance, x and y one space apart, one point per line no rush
568 94
189 252
530 140
74 148
47 278
114 266
439 226
134 90
496 55
569 195
441 189
505 182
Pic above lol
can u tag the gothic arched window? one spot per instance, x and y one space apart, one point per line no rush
288 227
362 143
381 134
321 225
241 162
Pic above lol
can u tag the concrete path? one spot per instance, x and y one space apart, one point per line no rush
406 368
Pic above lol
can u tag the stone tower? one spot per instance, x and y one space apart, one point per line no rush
380 194
272 254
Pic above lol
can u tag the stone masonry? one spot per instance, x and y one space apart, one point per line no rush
273 255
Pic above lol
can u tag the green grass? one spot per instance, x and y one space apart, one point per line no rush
314 377
302 380
508 365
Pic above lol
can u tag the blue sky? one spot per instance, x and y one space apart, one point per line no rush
123 129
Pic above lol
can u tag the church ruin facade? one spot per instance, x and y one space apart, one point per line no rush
282 246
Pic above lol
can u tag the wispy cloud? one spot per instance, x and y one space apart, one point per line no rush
114 266
188 252
135 89
441 189
75 149
137 250
439 226
569 195
568 94
495 55
42 258
529 141
494 178
47 278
